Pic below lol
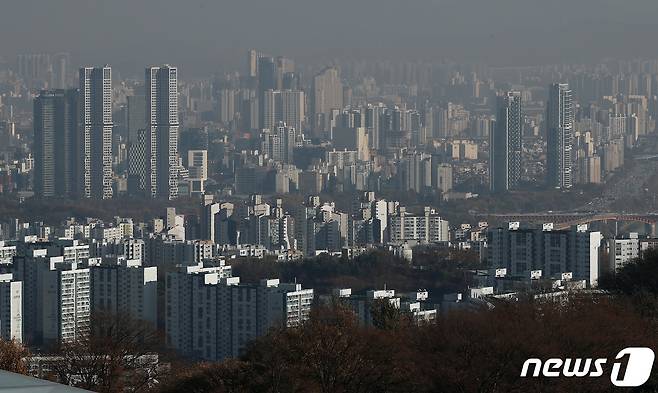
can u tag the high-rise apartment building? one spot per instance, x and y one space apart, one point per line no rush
267 80
284 66
283 106
559 135
522 250
444 177
95 141
252 62
55 143
136 144
623 250
125 288
65 303
162 132
506 144
228 104
426 228
11 308
197 166
326 96
212 316
137 164
351 138
372 118
279 142
136 105
292 109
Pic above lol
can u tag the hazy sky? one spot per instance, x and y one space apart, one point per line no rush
201 35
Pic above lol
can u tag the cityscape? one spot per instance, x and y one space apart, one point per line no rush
285 222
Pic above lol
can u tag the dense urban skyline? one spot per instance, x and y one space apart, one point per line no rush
305 196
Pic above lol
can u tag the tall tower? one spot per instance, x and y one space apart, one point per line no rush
267 80
252 62
96 132
505 142
559 134
55 151
326 95
162 131
293 109
136 144
283 105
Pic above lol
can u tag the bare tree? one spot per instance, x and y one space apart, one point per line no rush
118 355
12 356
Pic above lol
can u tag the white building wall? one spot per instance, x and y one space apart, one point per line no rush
11 308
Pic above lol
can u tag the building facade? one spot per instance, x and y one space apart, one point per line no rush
162 132
506 144
559 135
96 132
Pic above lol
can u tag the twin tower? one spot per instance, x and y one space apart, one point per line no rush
73 154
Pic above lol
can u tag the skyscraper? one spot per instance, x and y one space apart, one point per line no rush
326 95
559 134
292 103
267 80
252 62
136 144
96 132
55 143
284 66
267 74
283 106
137 164
136 115
279 142
373 115
270 109
229 104
505 143
60 63
162 131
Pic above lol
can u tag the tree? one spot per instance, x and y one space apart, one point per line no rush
385 315
639 281
639 275
465 351
329 353
118 354
231 376
13 357
484 351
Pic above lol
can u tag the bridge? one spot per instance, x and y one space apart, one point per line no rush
564 220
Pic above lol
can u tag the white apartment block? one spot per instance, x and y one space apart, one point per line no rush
197 165
11 308
95 96
622 251
410 304
133 249
426 228
125 288
111 234
66 304
162 131
74 251
56 297
212 316
6 251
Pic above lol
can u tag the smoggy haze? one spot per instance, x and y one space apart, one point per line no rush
199 35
